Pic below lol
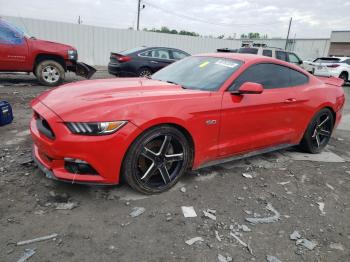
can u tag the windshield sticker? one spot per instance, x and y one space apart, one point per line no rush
204 64
226 63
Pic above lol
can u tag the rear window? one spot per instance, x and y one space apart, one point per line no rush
245 50
132 50
327 60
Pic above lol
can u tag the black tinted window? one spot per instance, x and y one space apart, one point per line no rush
270 76
327 60
248 51
157 53
281 55
177 55
267 52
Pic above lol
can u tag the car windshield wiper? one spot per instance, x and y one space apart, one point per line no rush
172 82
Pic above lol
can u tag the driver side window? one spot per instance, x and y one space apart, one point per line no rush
270 76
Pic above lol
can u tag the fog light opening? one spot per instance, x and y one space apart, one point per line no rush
79 167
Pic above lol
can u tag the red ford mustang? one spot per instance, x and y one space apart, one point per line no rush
200 111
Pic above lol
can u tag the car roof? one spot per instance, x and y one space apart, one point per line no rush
239 56
165 47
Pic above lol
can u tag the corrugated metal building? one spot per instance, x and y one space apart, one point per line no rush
94 44
340 43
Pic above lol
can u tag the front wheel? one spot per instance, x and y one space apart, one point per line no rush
156 160
49 73
319 132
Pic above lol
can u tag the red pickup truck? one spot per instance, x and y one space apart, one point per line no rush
48 61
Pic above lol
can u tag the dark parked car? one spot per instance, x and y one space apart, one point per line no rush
143 61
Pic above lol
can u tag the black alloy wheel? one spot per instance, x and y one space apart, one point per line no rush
344 76
156 160
145 72
319 132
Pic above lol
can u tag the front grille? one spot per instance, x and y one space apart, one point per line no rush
44 127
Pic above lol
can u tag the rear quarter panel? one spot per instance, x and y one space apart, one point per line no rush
314 97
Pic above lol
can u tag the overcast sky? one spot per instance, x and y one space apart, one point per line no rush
311 18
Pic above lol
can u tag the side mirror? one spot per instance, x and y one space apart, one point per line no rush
249 88
300 62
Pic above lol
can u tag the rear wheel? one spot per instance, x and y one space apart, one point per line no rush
318 132
344 76
156 160
49 73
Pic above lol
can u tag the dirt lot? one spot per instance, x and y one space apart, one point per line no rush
310 195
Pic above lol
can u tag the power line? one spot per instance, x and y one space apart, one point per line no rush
204 21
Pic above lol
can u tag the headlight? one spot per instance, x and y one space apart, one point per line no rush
95 129
72 54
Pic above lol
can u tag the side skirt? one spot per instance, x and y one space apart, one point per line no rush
245 155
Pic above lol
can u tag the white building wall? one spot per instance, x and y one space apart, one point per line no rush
94 44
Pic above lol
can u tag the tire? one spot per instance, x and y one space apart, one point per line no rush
157 159
344 76
144 72
50 73
318 133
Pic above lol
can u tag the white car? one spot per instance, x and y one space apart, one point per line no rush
330 66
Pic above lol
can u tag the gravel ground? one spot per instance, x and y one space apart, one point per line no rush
311 196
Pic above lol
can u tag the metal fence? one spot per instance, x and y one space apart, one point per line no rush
94 44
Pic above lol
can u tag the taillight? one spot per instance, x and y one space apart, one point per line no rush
333 65
124 58
121 58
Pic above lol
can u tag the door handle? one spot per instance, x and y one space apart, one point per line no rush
290 100
154 62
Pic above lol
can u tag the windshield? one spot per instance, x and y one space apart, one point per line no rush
196 72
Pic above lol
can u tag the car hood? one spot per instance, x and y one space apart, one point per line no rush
112 99
48 45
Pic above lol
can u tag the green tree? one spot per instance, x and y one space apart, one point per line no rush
164 29
253 35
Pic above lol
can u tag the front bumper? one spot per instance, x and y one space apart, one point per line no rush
104 153
81 69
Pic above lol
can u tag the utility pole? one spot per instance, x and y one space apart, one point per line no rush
290 23
80 21
138 14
